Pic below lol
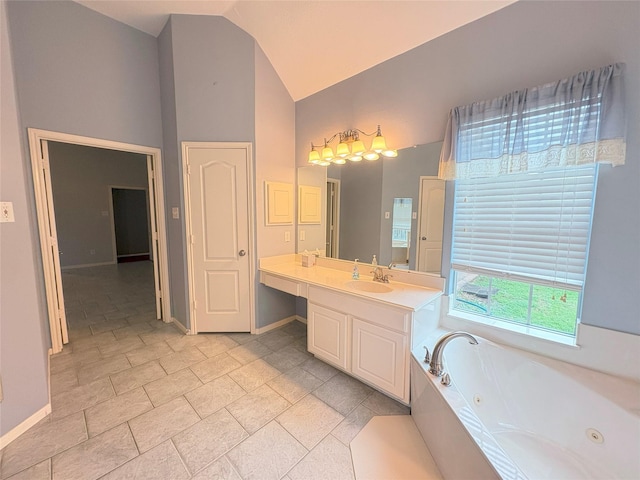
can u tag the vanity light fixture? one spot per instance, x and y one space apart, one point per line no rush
351 148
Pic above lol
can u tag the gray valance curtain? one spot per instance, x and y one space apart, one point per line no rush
574 121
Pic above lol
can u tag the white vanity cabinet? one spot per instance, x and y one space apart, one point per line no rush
328 335
368 339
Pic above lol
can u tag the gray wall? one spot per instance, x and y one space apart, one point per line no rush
401 179
81 178
360 204
23 333
207 79
524 44
75 72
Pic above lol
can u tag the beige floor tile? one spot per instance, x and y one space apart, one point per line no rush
42 441
74 360
108 325
104 368
352 424
380 404
258 408
309 420
81 397
63 381
161 334
267 454
254 374
208 439
343 393
87 343
132 330
295 384
250 351
329 459
97 456
40 471
215 367
161 423
214 395
296 329
216 344
160 463
148 353
167 388
241 338
182 359
221 469
122 345
137 376
319 369
106 415
287 358
186 341
276 339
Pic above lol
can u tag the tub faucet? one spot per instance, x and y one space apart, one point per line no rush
435 366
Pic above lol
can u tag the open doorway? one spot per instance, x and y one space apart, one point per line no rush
131 229
52 250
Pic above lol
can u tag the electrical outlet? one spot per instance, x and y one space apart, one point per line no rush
6 212
302 236
287 236
175 213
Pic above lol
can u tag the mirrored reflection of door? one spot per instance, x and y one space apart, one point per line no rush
333 217
431 224
401 232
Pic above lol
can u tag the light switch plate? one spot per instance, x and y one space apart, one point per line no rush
175 213
387 215
6 212
287 236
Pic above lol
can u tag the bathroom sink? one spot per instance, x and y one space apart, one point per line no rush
370 287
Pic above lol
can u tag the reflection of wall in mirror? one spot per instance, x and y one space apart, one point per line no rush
368 190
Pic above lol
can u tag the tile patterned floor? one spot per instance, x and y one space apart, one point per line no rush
133 398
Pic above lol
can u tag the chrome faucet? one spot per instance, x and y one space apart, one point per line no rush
379 276
435 365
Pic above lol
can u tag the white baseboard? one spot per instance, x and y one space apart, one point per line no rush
278 324
14 433
301 319
180 326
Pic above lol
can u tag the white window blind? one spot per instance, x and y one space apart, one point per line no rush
533 227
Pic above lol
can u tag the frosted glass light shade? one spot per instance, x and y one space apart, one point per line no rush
379 144
355 158
358 148
370 155
339 161
327 154
342 150
390 153
314 157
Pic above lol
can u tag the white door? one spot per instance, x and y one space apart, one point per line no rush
218 226
153 221
431 223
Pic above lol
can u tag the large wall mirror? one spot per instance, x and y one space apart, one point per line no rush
391 208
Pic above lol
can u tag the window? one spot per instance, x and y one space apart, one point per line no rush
519 247
525 167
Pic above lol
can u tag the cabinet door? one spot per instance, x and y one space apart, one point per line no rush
327 335
379 357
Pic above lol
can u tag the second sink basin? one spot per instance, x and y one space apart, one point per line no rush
371 287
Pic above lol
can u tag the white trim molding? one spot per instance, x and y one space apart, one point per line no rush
18 430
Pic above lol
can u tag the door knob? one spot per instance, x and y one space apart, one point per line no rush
423 238
242 253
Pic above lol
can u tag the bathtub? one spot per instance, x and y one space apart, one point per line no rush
514 415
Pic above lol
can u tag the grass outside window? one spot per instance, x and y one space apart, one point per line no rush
537 306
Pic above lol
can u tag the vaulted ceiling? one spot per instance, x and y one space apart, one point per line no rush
314 44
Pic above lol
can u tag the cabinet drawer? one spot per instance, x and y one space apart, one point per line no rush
374 312
279 283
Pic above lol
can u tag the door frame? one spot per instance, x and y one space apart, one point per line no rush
419 225
248 146
46 222
114 243
335 214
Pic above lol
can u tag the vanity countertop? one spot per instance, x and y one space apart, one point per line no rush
336 275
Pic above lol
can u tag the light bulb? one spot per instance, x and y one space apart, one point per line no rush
339 161
370 155
355 158
390 153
